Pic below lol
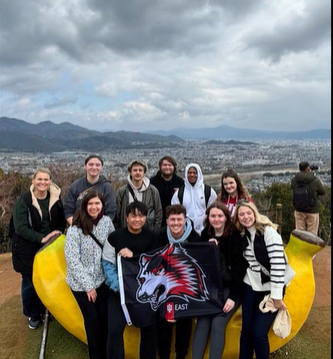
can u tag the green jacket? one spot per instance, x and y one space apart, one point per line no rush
315 184
150 197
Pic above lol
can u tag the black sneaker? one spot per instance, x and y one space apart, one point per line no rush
34 322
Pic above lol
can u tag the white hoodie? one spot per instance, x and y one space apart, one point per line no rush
194 199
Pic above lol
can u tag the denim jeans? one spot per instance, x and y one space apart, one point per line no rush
32 305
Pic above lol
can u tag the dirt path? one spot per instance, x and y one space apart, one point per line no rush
10 281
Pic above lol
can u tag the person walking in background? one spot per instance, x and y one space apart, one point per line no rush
83 251
129 241
178 230
167 182
140 189
93 165
220 229
37 217
232 190
306 189
264 254
195 196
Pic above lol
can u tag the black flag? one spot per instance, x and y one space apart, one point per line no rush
181 280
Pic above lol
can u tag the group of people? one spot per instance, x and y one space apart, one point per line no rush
141 216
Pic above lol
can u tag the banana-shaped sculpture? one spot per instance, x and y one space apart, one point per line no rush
49 279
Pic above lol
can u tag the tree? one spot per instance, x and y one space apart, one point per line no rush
282 193
11 186
278 193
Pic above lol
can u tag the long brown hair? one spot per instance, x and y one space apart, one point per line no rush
229 226
241 189
81 218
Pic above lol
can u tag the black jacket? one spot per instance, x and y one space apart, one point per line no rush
25 248
260 252
232 252
166 189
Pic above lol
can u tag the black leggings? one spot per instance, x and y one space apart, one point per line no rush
95 321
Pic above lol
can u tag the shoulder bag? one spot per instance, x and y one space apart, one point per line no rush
96 240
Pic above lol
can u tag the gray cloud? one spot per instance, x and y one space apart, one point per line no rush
60 102
163 64
303 32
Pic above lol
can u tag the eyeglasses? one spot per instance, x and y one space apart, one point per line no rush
242 201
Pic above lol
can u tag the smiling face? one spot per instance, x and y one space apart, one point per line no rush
41 182
93 168
167 169
217 219
246 216
135 221
192 175
176 223
94 207
230 186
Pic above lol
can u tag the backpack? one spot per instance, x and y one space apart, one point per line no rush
27 199
303 199
207 190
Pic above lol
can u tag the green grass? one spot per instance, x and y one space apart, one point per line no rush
20 342
62 344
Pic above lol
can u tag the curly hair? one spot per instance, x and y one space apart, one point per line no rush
175 209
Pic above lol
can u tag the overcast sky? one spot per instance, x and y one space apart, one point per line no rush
146 65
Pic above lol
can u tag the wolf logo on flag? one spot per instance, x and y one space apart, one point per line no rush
176 281
171 272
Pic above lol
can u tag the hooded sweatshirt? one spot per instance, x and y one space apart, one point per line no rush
194 198
148 194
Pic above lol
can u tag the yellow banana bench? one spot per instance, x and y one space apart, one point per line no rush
49 281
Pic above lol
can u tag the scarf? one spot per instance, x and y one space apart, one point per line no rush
182 239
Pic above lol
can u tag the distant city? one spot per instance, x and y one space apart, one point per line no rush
259 163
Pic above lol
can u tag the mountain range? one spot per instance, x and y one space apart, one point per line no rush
228 132
18 135
47 136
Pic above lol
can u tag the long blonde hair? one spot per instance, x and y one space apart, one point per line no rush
261 221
